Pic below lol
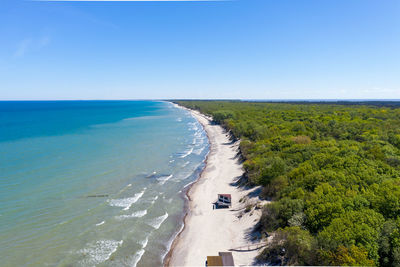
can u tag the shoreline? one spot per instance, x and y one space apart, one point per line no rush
200 236
187 198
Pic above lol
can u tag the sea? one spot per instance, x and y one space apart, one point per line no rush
94 183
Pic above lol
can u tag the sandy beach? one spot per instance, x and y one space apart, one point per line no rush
208 231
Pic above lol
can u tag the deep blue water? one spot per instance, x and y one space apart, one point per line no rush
24 119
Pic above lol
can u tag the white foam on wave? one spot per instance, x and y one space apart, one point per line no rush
154 200
136 258
156 222
185 164
164 179
185 175
126 203
198 134
100 251
187 153
136 214
144 242
198 142
198 151
123 189
193 126
100 223
186 185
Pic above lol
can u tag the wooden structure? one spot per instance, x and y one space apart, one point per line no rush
224 259
224 201
214 261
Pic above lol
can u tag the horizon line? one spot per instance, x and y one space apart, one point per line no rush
215 99
132 0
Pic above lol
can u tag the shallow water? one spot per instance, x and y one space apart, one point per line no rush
94 183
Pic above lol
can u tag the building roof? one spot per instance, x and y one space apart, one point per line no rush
225 195
227 258
214 261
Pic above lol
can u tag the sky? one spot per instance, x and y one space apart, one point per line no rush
240 49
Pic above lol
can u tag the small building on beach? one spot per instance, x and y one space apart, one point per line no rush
224 259
224 201
227 258
214 261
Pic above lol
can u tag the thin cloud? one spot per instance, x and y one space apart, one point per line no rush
23 47
44 41
29 44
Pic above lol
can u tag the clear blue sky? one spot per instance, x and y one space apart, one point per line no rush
251 49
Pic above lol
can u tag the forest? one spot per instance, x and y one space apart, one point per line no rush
332 171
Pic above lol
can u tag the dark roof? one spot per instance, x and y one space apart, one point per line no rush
225 195
227 258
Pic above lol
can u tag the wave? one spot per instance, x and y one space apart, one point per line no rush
126 203
136 214
156 222
100 223
100 251
193 126
198 151
199 133
187 153
185 164
137 257
186 185
152 175
154 200
164 179
144 242
123 189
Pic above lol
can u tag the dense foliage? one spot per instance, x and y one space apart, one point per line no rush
333 171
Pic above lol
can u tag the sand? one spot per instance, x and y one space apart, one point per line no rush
208 231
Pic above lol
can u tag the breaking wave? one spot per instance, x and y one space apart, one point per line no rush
99 252
126 203
156 222
137 257
164 179
100 223
144 242
187 153
136 214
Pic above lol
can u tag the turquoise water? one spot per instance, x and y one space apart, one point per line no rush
94 183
